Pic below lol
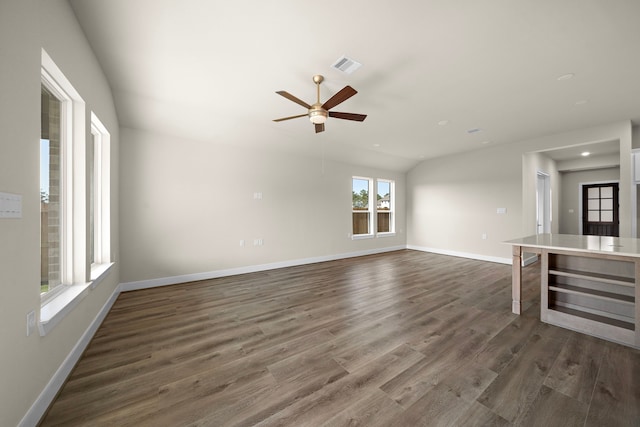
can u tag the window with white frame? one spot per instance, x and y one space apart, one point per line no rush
362 208
98 178
372 216
52 180
62 183
385 201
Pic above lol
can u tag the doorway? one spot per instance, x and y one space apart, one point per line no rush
600 215
543 203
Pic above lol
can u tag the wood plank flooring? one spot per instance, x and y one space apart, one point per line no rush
398 339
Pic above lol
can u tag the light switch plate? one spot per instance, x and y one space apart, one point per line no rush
10 205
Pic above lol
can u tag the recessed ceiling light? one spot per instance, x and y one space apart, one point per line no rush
585 153
443 122
567 76
485 142
376 145
581 102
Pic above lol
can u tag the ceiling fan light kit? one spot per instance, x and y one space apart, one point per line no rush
318 113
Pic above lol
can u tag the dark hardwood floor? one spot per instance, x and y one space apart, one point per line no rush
399 339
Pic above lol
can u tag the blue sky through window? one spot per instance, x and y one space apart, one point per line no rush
360 184
384 188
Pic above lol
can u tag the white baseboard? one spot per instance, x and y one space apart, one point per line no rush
164 281
48 394
461 254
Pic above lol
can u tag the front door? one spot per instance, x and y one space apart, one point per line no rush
600 210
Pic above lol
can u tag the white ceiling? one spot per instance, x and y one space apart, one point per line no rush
208 70
600 149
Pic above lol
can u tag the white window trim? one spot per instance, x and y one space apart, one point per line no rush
392 208
55 309
362 236
57 304
371 210
102 198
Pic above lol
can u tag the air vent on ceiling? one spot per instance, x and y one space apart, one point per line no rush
346 65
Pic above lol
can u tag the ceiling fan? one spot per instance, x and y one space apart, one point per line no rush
318 113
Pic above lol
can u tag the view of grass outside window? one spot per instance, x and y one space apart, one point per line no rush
361 208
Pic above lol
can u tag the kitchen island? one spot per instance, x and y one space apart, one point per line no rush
587 283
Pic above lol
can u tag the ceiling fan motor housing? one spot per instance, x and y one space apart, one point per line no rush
317 114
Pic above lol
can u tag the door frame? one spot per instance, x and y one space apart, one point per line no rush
580 191
545 189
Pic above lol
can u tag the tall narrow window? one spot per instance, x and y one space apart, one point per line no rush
362 208
98 167
51 194
385 206
93 187
62 184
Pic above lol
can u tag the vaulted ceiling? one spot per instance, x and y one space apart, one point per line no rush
433 71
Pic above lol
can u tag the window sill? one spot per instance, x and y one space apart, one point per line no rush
390 234
53 311
98 273
362 236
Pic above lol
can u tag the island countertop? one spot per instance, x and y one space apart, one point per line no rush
624 246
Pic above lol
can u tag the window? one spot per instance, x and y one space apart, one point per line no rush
361 208
51 195
98 178
600 204
62 183
75 198
385 206
369 215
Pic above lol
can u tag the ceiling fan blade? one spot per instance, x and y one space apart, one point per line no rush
289 118
319 127
348 116
293 98
344 94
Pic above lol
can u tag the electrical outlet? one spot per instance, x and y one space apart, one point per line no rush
242 243
31 321
484 236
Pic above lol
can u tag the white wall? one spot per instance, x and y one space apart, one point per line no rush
452 201
27 364
532 164
186 205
